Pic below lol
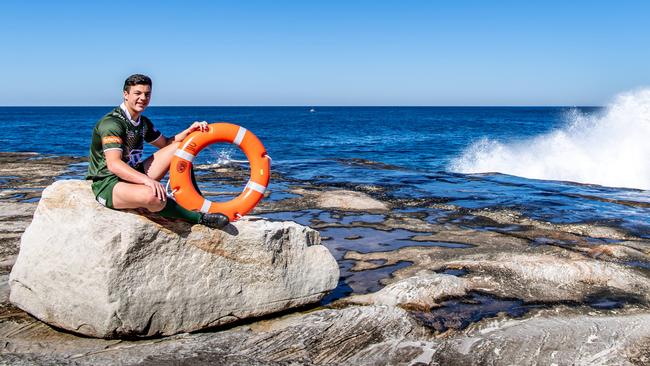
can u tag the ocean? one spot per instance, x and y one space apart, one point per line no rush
557 164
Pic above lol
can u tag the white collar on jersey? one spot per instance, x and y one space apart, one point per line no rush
128 115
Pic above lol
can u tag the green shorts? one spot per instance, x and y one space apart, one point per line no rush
103 188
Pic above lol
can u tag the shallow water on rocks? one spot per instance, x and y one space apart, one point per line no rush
366 240
360 282
302 217
348 219
459 313
341 239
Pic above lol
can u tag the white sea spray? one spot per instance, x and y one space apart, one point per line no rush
611 148
223 156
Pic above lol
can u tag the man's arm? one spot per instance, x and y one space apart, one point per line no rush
118 167
164 141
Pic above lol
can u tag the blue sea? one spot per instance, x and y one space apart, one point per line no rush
557 164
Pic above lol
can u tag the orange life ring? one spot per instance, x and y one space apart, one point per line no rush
180 177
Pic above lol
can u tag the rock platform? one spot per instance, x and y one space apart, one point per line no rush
423 282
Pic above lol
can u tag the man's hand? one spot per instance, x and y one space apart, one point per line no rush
125 172
157 189
199 125
196 126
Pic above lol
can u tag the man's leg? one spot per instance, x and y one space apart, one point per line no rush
129 195
157 165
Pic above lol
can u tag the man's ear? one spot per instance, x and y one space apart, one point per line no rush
126 93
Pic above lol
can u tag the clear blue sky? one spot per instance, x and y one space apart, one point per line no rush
324 52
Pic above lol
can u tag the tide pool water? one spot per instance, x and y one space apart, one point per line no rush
560 164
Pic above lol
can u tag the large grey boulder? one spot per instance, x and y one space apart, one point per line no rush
107 273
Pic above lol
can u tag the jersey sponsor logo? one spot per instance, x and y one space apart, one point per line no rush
111 140
135 157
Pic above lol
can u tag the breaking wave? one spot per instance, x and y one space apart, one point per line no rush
222 158
610 149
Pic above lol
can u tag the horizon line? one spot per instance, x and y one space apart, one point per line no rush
311 106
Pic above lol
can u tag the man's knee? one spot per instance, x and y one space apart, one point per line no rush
153 204
127 195
157 165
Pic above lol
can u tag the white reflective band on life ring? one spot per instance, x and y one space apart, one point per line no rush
256 187
206 206
184 155
240 136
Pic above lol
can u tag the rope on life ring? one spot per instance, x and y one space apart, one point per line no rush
180 176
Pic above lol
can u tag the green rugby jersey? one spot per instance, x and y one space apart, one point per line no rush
115 131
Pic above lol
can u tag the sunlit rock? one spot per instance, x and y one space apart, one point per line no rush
108 273
342 200
422 291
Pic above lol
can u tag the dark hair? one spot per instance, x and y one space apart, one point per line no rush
136 79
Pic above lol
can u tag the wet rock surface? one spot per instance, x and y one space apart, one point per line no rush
422 282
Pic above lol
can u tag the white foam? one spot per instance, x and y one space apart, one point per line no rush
224 158
610 149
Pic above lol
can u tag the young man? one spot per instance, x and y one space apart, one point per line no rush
121 179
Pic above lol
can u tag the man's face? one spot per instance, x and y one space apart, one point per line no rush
137 97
